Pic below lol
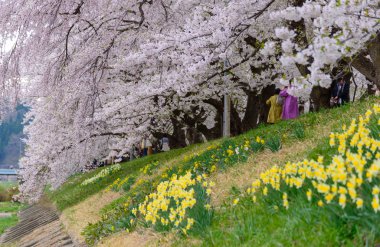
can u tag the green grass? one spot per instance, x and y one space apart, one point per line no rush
7 222
7 190
10 207
249 224
71 193
8 184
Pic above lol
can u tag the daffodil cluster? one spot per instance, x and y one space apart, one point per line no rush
350 180
114 184
149 168
118 184
179 197
169 205
103 173
226 154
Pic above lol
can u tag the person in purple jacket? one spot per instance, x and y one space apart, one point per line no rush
290 106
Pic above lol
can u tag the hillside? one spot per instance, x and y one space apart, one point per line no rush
208 194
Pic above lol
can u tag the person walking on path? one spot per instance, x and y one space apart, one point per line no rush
275 110
290 107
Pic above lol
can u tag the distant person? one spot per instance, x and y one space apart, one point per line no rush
137 152
132 152
149 147
94 163
275 102
165 144
290 106
340 93
144 149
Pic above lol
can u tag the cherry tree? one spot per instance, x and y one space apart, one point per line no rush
99 75
342 32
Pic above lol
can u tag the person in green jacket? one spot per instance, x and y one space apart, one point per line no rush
275 110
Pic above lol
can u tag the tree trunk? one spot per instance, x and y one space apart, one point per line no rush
236 123
257 110
213 133
216 131
193 135
178 138
320 97
374 53
370 68
251 111
266 93
236 128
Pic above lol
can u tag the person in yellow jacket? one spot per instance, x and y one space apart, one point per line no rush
275 110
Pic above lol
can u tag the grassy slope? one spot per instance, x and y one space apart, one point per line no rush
7 222
71 193
247 225
81 205
9 207
317 127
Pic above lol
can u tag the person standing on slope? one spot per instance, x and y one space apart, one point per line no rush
165 144
340 93
290 107
275 102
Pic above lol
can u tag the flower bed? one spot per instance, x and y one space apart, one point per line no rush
103 173
348 186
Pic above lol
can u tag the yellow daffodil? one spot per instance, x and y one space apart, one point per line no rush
375 190
329 197
309 193
359 203
236 201
213 168
375 204
230 152
265 191
342 200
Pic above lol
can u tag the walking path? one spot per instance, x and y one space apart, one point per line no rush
39 225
